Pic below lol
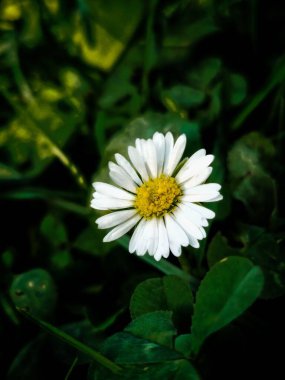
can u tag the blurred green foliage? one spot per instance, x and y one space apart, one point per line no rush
79 81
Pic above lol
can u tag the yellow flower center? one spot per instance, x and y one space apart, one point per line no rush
157 196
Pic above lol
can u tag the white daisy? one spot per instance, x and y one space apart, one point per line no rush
156 197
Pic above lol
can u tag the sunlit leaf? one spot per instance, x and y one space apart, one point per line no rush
111 34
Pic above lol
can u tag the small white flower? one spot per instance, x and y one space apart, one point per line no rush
160 200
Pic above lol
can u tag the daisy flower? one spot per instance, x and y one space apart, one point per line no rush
158 197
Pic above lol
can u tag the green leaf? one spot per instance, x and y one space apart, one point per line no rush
111 28
127 349
37 134
167 293
53 230
205 73
219 249
90 240
237 89
227 290
251 184
172 370
191 33
184 97
183 344
263 249
156 326
34 291
140 350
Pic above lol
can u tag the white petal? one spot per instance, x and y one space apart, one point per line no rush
142 242
124 164
148 154
107 203
176 155
159 143
187 225
175 249
163 244
193 168
176 236
198 154
197 179
195 218
153 237
138 162
205 212
139 146
207 188
136 237
121 229
212 197
192 241
191 214
216 199
114 218
112 191
168 149
150 158
121 178
203 232
176 232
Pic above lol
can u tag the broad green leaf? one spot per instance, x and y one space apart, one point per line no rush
184 97
127 349
248 161
147 297
110 27
156 326
53 230
237 89
172 370
35 292
227 290
141 352
265 250
56 235
8 258
219 249
205 73
36 135
167 293
183 344
90 240
191 33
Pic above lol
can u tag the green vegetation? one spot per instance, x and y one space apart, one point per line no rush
79 82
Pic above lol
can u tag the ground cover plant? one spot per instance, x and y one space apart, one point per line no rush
80 82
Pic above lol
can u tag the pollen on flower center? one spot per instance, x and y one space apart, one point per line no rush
157 196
